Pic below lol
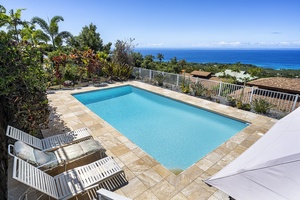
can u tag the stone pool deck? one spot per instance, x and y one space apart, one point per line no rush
148 179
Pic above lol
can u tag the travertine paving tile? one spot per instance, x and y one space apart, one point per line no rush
214 169
147 195
164 190
149 161
179 196
147 178
150 178
128 173
119 150
204 164
179 182
162 171
220 195
128 158
134 188
193 172
193 191
213 198
139 166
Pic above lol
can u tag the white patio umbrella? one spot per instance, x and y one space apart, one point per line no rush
269 169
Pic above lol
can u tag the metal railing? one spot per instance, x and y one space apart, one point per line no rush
281 101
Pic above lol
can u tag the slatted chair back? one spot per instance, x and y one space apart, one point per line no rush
71 182
35 178
95 172
64 139
25 137
49 143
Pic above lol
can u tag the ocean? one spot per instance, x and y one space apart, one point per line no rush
275 59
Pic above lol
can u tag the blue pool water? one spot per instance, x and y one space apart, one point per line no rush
176 134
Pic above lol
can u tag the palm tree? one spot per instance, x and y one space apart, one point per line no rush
33 36
51 30
236 67
12 21
173 60
4 18
181 63
160 57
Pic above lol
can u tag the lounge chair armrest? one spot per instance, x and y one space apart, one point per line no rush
10 150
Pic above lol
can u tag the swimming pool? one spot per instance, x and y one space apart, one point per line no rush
174 133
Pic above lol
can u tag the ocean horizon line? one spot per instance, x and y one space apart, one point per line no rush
265 58
221 48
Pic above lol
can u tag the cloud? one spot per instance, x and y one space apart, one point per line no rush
151 45
282 44
279 44
218 44
229 43
224 44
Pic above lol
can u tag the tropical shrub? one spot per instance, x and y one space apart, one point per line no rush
243 106
261 106
123 52
198 89
246 106
117 71
208 93
185 85
60 63
23 85
160 79
231 101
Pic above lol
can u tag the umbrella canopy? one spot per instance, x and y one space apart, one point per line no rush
269 169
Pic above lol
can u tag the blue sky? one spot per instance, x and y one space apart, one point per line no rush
177 23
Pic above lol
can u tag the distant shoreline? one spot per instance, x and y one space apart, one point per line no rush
275 59
198 48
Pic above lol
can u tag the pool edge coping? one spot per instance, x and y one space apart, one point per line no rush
211 158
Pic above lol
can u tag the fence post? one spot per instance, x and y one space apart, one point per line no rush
150 74
140 72
220 89
251 95
295 102
177 82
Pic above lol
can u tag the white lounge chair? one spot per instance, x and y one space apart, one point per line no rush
71 182
49 143
59 157
104 194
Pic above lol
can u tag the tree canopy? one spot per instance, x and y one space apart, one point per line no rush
89 38
51 29
123 52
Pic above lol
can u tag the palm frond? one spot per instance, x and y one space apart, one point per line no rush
3 16
56 19
65 34
18 13
42 23
53 26
41 36
2 9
